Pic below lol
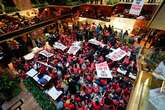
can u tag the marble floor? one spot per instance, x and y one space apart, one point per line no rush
28 102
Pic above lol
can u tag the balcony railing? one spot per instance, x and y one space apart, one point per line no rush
21 31
113 2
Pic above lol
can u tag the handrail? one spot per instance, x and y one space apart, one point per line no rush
131 105
145 85
141 94
105 4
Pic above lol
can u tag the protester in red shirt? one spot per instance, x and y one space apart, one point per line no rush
96 105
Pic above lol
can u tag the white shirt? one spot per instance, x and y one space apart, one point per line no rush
160 69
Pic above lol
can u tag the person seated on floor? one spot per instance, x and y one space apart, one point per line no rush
59 103
96 105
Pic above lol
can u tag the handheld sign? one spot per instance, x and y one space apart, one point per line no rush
59 46
117 54
73 50
136 7
103 70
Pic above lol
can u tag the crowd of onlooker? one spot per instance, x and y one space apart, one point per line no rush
10 23
76 75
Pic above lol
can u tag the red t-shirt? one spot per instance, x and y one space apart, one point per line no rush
81 61
42 70
26 66
55 61
82 108
95 106
77 99
75 70
103 81
89 78
71 106
96 89
88 90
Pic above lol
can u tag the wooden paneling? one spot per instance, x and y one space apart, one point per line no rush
159 20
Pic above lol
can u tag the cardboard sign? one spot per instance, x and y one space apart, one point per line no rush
59 46
95 42
136 7
117 54
53 93
76 43
45 64
32 72
45 53
120 70
45 77
132 76
103 70
73 50
29 56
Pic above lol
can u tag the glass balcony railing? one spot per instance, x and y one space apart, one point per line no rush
145 1
113 2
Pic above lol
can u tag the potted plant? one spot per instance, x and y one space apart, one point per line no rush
8 87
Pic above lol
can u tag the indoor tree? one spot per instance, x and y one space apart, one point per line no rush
8 87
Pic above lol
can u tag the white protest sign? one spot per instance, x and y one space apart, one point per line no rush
136 7
29 56
45 53
95 42
76 43
117 54
73 50
32 72
103 70
45 77
132 76
59 46
53 93
120 70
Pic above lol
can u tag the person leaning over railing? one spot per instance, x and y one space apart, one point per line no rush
159 72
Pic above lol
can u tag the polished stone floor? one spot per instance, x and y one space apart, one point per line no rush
29 102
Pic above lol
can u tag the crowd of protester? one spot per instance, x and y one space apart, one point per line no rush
76 75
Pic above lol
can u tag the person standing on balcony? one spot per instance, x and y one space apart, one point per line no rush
125 34
101 1
91 1
96 1
151 1
159 72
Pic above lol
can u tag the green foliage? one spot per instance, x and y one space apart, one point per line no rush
85 1
39 95
10 9
40 5
153 58
112 2
72 3
8 87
